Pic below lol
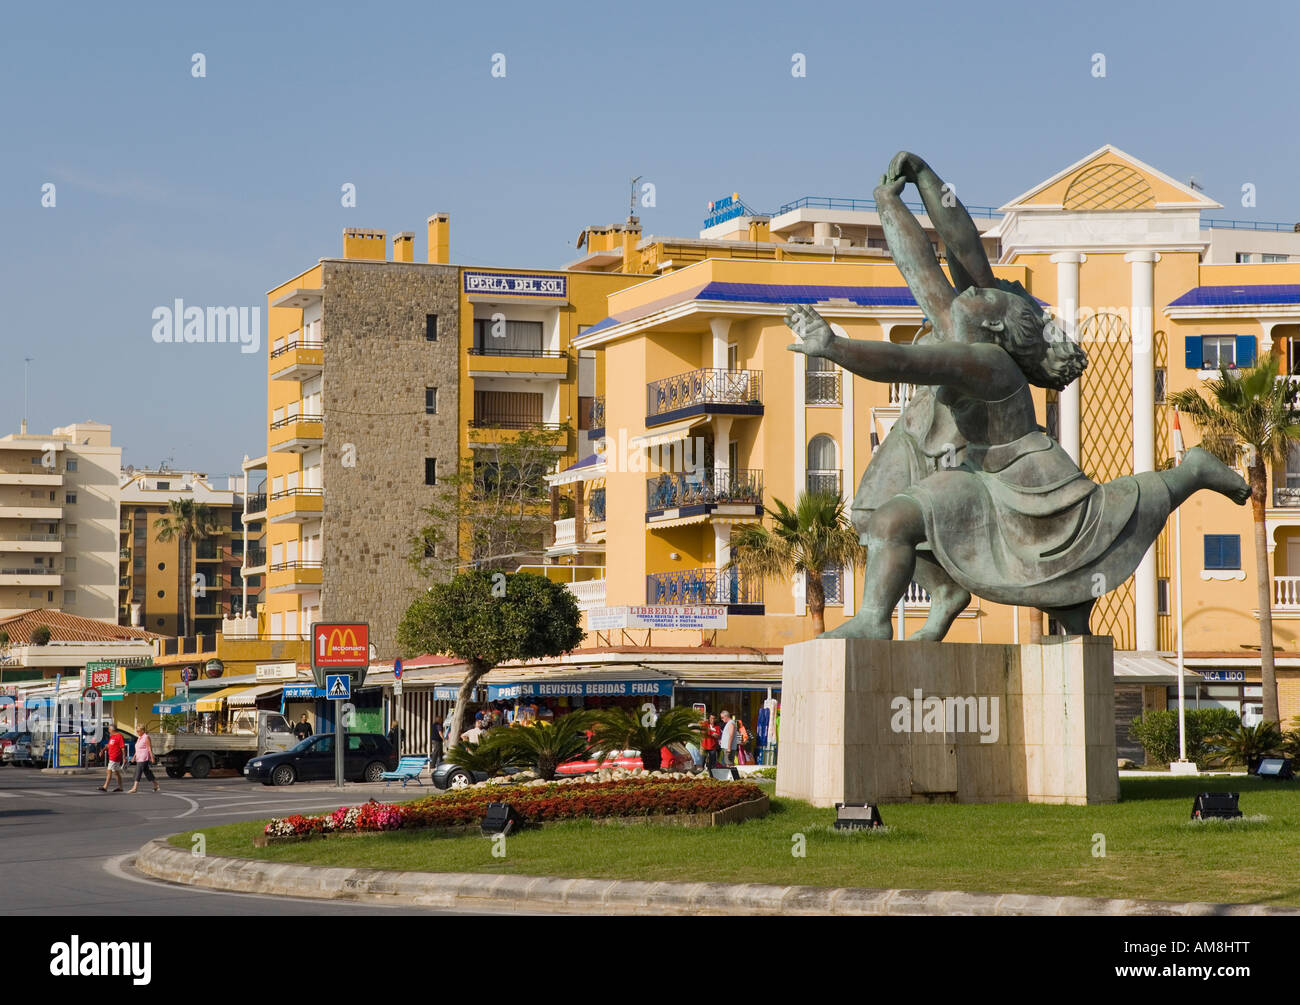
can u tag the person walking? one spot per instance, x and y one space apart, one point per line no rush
709 741
727 742
115 758
302 729
143 761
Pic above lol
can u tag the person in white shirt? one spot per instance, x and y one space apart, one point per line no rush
727 742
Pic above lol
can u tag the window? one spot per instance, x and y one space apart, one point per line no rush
1161 381
504 338
430 401
69 565
69 597
1223 551
431 471
1162 596
823 474
71 465
162 566
49 596
431 328
161 594
164 486
70 530
1209 352
733 356
70 499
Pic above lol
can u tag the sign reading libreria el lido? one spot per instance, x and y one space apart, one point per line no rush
602 619
517 284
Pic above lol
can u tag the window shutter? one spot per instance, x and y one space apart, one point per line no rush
1211 560
1232 551
1193 349
1245 350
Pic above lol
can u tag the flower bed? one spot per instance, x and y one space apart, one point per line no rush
628 797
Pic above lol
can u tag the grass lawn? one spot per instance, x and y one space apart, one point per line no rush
1151 850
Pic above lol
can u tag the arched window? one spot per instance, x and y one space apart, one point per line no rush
823 465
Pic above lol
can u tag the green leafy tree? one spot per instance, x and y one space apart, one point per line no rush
186 522
486 618
1253 415
644 730
542 746
814 536
491 513
40 635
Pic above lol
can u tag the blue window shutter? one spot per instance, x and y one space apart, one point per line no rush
1193 349
1211 552
1232 551
1245 350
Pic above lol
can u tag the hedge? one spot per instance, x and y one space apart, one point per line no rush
1158 732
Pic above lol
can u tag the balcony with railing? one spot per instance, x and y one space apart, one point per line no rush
704 392
1286 593
254 558
490 430
705 491
31 543
728 588
32 576
254 506
505 360
297 357
300 575
296 434
596 506
823 481
295 505
821 387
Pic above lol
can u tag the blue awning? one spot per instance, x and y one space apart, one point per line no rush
594 688
297 692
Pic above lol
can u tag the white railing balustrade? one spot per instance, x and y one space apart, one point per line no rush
1286 591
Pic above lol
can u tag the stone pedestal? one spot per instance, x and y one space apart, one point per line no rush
866 720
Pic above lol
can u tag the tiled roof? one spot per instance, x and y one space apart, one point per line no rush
1240 296
69 628
769 293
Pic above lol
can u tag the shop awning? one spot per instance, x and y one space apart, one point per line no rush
249 695
213 702
579 682
173 707
1148 668
745 676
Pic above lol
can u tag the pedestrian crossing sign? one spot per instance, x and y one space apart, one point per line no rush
338 686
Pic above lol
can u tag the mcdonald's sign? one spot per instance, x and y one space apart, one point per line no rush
340 647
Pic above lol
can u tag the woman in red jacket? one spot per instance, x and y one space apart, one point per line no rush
712 732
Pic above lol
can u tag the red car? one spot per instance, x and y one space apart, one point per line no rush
674 758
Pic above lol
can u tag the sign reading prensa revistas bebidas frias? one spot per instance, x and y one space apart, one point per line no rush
517 284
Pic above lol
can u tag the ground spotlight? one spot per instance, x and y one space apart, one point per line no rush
1211 805
501 818
859 816
1276 768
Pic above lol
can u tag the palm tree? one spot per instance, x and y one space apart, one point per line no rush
804 541
645 730
186 521
1251 412
542 746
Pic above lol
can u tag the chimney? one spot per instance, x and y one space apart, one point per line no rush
404 247
631 235
136 615
366 244
760 228
440 239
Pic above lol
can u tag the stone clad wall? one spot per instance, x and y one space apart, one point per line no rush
377 365
1050 737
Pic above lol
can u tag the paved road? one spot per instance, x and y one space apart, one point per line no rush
63 843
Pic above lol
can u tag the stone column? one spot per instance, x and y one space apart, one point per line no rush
719 327
1142 329
1067 303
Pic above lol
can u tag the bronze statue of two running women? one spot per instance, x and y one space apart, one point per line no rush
968 494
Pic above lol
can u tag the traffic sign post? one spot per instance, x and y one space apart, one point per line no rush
339 651
397 705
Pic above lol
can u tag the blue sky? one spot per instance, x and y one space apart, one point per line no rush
215 189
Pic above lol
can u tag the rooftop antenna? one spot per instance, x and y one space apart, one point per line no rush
1194 185
27 361
631 202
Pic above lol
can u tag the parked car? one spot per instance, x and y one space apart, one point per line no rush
7 741
19 750
367 757
452 776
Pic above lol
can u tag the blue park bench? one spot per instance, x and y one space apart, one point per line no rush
408 768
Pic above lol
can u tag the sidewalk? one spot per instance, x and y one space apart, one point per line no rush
534 894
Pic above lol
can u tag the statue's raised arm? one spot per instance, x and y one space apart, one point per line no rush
967 261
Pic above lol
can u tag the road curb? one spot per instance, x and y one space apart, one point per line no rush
478 891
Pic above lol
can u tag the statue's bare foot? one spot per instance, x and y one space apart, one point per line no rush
863 625
1212 473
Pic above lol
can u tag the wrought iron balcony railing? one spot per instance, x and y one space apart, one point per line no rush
737 391
823 481
707 487
704 588
821 387
290 420
596 506
305 343
255 503
596 417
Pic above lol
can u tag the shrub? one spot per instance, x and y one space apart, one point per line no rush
40 635
1158 732
1247 744
764 773
541 746
645 731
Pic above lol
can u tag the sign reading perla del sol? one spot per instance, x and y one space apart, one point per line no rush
518 284
658 616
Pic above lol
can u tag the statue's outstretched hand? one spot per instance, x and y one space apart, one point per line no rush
814 334
905 165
